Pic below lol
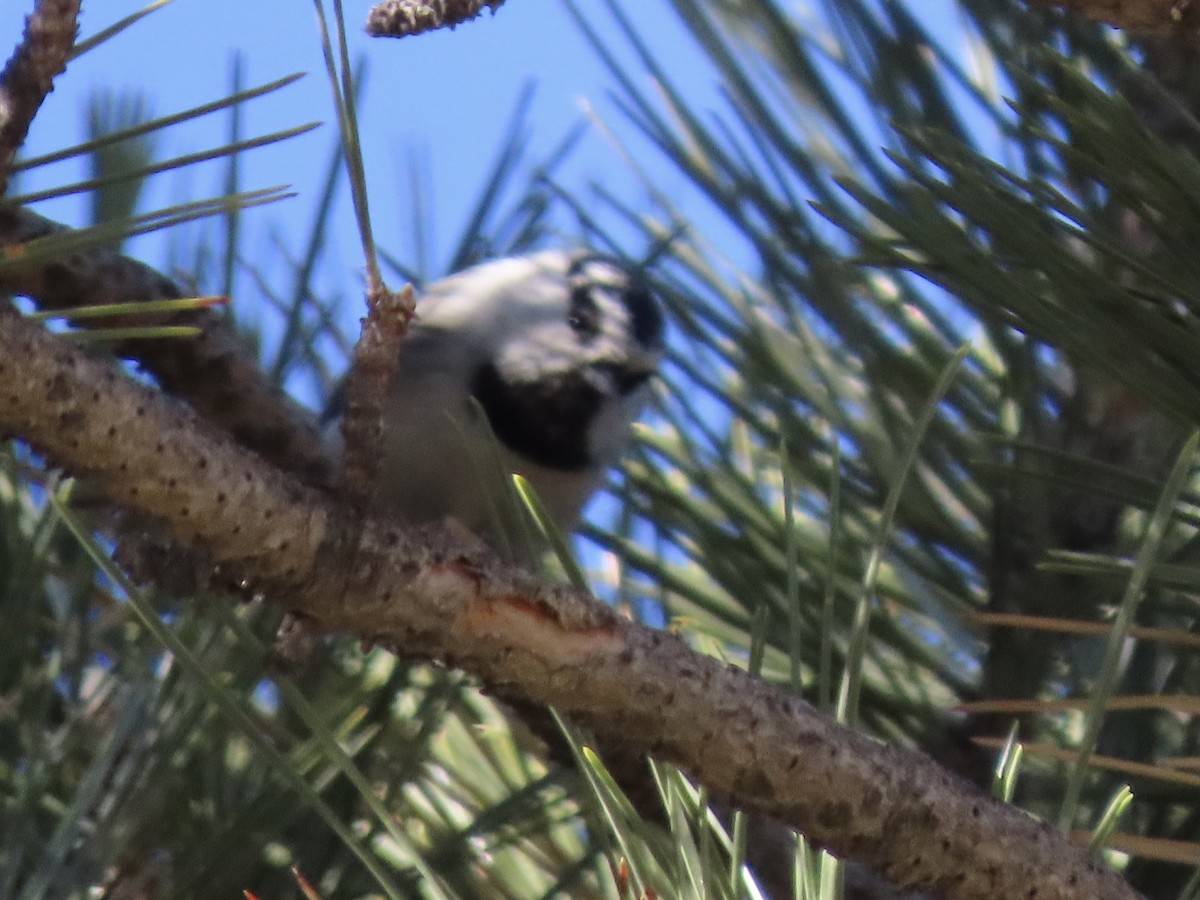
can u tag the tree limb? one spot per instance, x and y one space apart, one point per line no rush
1177 20
428 594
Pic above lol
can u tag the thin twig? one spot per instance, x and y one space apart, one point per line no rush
371 378
29 74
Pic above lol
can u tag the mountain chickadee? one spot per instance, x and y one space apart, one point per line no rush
557 349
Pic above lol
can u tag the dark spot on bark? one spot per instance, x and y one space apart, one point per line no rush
872 801
72 421
835 815
57 389
752 782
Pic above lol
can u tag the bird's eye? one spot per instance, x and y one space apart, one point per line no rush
584 314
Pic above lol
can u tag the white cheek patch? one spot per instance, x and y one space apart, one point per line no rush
541 353
608 277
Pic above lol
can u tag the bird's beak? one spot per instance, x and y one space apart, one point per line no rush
635 371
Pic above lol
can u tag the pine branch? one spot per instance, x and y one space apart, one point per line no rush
428 594
217 374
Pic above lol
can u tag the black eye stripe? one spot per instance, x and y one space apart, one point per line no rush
644 314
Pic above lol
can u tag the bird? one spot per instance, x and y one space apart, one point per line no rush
552 353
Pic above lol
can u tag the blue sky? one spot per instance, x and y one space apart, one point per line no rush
444 97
